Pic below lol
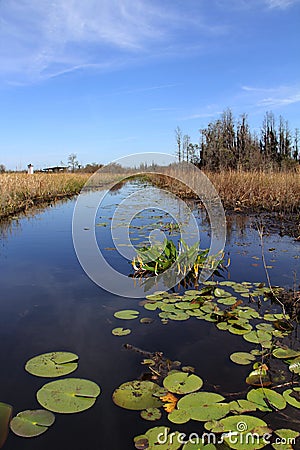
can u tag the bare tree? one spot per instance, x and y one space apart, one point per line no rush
73 162
2 168
178 137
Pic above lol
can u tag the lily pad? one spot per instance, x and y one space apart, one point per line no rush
180 315
182 383
241 328
241 426
221 293
51 365
242 358
70 395
121 331
197 399
127 314
179 416
295 366
227 301
266 398
285 353
158 438
137 395
5 415
151 414
292 396
32 423
213 411
241 406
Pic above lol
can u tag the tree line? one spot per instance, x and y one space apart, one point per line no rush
227 143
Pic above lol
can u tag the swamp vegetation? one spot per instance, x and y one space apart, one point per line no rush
164 386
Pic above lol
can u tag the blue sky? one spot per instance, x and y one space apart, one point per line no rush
106 78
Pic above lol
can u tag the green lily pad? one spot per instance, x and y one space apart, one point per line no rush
137 395
5 416
70 395
288 437
198 399
241 426
227 301
240 328
121 331
241 406
180 315
151 306
258 377
285 353
221 293
151 414
179 416
146 320
222 326
295 366
292 396
32 422
187 305
158 438
207 412
266 398
259 337
242 358
127 314
51 365
182 383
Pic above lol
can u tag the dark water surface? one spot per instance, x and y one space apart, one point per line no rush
48 303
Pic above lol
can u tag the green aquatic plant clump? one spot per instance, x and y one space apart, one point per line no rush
186 261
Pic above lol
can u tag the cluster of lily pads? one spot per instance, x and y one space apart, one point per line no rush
66 396
181 395
182 398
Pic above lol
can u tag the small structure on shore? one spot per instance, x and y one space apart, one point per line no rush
55 169
30 169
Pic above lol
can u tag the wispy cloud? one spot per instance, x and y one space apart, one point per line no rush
274 97
281 4
48 38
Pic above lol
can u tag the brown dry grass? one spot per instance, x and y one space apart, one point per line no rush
240 191
19 191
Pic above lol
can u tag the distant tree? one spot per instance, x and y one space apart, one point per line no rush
296 146
91 168
73 162
185 146
2 168
178 137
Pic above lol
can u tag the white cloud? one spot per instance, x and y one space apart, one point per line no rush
274 97
46 38
281 4
52 37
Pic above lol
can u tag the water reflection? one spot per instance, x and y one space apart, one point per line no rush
48 303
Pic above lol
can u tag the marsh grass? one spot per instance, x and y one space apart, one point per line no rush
245 191
20 191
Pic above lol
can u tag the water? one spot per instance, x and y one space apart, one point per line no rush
48 303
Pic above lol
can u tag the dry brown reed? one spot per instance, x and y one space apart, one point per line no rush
243 191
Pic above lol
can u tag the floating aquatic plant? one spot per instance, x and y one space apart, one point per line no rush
32 423
137 395
5 416
70 395
51 365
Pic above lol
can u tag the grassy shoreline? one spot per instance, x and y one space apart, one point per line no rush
242 191
20 191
